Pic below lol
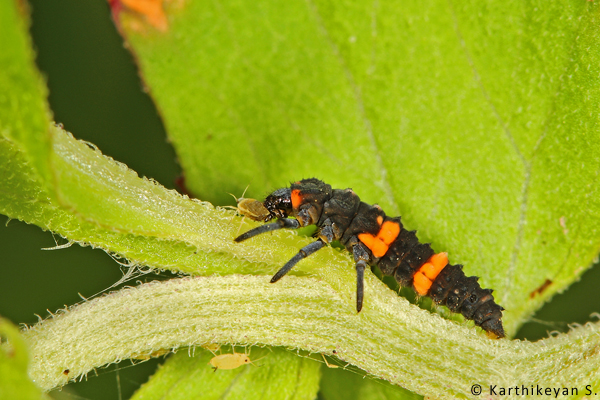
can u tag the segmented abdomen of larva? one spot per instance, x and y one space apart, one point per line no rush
397 251
415 264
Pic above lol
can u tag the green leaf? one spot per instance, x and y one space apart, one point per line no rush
475 121
342 384
14 358
276 374
23 110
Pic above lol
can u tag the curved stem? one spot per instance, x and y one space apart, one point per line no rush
390 338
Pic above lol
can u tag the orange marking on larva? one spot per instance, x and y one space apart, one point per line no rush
389 232
377 247
421 283
429 270
380 220
380 249
296 198
436 263
440 260
380 244
367 239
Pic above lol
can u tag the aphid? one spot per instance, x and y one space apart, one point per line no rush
230 361
251 208
376 239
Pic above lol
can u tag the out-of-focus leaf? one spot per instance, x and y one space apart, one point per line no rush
23 110
14 359
277 375
342 384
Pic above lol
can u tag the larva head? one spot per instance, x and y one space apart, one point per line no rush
279 204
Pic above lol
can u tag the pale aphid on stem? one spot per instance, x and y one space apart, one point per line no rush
231 361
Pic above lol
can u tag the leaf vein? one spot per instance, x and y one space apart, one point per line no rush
383 181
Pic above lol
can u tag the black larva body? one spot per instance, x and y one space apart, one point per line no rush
377 240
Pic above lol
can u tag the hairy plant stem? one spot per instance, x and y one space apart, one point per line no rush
390 338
